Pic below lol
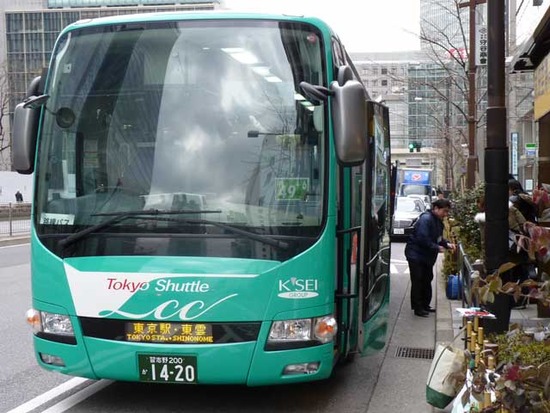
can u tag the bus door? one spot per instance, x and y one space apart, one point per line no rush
372 181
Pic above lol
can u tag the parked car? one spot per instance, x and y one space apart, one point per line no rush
407 211
424 198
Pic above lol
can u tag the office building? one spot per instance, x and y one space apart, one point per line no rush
30 27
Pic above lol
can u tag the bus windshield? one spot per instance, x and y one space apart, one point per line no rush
204 119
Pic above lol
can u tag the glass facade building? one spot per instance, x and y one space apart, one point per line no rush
427 106
31 34
435 104
442 24
96 3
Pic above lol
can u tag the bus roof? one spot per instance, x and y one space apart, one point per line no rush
193 15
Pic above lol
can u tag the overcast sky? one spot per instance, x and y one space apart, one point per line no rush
362 25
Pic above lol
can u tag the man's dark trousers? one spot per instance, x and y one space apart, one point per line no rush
421 284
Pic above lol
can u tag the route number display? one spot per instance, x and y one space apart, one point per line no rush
292 189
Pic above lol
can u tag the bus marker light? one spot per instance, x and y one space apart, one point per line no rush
301 368
325 328
52 360
33 318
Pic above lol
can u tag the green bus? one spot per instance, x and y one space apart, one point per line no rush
211 201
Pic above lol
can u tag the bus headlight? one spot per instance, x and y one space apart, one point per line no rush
301 332
49 323
291 330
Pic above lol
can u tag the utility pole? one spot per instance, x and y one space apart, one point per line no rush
472 164
496 164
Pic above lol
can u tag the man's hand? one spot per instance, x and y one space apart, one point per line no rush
451 246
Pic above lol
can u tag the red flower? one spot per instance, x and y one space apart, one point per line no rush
512 373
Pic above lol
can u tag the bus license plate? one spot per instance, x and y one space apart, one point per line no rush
167 369
399 231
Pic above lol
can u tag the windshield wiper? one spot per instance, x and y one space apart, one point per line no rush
121 216
252 235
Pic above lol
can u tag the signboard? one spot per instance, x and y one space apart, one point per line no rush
416 177
292 189
457 53
530 149
481 45
514 154
542 88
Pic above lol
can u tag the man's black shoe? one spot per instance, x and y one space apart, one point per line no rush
430 309
421 313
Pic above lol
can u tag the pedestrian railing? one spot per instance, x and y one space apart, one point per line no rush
15 218
466 270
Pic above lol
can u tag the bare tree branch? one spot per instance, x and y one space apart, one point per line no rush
5 143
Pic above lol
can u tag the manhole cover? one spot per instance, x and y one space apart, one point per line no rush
415 353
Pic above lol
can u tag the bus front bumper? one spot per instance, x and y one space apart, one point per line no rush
239 363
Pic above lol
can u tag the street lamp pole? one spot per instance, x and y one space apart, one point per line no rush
472 164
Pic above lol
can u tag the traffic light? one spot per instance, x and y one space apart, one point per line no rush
415 145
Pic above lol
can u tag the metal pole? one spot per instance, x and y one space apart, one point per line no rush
10 219
496 161
472 164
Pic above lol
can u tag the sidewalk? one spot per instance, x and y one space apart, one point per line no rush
22 238
401 387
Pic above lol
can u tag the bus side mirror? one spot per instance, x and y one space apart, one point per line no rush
25 128
25 125
349 112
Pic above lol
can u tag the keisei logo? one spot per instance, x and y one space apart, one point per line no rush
298 288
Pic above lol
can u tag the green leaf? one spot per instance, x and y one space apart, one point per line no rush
507 266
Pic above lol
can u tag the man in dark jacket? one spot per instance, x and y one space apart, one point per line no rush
521 200
421 251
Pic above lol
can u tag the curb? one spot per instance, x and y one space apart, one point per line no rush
15 240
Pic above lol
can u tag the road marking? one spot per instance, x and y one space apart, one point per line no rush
78 397
67 403
46 397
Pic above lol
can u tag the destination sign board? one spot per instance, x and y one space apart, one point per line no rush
170 333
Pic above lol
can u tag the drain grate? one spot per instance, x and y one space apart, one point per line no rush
415 353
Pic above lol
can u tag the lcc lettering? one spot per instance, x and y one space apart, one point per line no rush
297 288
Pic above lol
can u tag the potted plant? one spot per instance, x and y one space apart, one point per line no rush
520 380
